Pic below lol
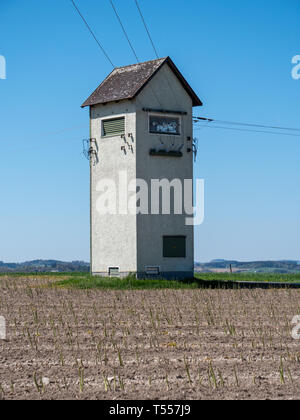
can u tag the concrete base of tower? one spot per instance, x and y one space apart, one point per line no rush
168 275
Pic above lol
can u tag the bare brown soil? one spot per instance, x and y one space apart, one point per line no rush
189 344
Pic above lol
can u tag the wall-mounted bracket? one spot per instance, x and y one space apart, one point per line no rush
90 150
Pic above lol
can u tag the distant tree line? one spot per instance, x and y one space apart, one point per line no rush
258 266
45 266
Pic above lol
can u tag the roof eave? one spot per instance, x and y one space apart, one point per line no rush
88 101
85 104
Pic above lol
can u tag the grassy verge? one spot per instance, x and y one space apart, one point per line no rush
250 277
201 280
129 283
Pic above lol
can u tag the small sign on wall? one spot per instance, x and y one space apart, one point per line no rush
152 271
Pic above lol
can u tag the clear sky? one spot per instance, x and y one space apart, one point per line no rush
236 55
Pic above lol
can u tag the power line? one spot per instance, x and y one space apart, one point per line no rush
156 53
124 30
146 27
247 130
131 46
155 50
246 124
92 33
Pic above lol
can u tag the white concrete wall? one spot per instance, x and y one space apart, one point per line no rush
163 92
113 237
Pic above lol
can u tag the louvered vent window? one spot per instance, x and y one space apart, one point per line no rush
113 271
113 127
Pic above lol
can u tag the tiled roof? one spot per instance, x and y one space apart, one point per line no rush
127 82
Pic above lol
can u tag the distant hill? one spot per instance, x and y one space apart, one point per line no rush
44 266
283 267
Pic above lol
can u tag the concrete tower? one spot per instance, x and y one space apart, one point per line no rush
141 129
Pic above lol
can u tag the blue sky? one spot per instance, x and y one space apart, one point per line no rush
237 57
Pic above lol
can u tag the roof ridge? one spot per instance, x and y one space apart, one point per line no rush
144 62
